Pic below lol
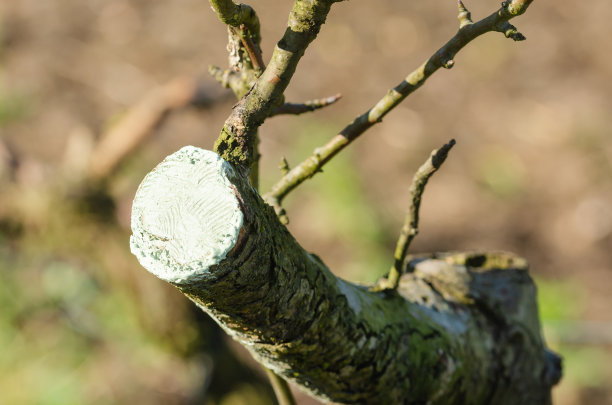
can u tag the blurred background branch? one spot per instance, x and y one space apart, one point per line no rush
410 228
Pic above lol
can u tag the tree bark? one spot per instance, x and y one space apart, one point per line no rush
460 329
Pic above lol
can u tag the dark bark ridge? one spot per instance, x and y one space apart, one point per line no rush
461 328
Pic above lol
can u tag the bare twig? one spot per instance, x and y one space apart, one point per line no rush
308 106
411 224
245 38
510 31
498 21
9 163
238 82
238 136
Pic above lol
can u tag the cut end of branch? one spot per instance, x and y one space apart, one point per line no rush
185 216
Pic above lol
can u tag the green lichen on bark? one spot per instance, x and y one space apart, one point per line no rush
449 334
460 328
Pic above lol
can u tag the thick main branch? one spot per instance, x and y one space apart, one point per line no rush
460 328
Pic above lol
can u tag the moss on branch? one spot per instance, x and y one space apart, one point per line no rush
457 326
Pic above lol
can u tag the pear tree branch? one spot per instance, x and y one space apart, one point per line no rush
410 229
442 58
459 329
238 136
236 15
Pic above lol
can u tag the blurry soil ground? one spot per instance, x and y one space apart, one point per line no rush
531 173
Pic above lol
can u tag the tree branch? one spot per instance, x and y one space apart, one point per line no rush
308 106
230 79
238 136
251 47
462 328
140 121
498 21
235 15
410 229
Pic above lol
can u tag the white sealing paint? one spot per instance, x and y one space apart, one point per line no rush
185 216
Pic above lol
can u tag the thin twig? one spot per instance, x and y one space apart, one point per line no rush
308 106
442 58
411 224
465 17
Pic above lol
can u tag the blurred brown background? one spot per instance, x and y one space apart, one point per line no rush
82 322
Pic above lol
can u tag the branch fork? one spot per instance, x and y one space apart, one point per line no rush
215 239
470 319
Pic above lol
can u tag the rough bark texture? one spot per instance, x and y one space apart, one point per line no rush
236 141
461 328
